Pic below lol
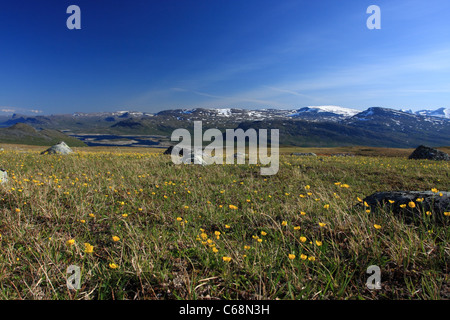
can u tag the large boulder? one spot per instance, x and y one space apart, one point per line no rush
3 176
398 202
60 148
424 152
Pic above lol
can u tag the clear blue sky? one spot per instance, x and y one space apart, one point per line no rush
150 55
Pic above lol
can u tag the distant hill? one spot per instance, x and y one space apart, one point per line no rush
21 133
326 126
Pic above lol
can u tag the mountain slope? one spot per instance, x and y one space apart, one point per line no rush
21 133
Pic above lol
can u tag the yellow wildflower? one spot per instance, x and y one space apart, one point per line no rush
88 248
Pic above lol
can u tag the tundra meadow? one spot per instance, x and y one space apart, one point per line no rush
140 227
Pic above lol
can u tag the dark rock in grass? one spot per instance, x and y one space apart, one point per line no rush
60 148
169 150
437 203
424 152
342 155
312 154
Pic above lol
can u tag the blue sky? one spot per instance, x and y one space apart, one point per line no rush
154 55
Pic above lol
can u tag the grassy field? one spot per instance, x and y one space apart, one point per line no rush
140 227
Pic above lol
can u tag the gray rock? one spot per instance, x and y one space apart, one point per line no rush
312 154
60 148
3 176
424 152
433 202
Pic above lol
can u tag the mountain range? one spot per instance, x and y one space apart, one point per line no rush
308 126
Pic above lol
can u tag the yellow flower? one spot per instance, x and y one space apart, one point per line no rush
115 238
113 266
247 247
82 221
446 214
318 243
321 224
302 213
327 206
215 250
312 258
227 226
302 239
70 242
91 215
17 210
411 204
345 185
434 190
368 211
284 223
204 236
226 259
377 226
337 183
307 187
179 219
428 213
217 233
391 201
232 207
366 204
88 248
125 215
419 199
296 228
303 256
403 206
263 233
291 256
359 199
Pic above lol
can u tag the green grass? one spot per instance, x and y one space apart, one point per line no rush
167 218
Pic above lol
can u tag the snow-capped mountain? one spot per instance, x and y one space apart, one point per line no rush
314 125
324 113
441 113
313 113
